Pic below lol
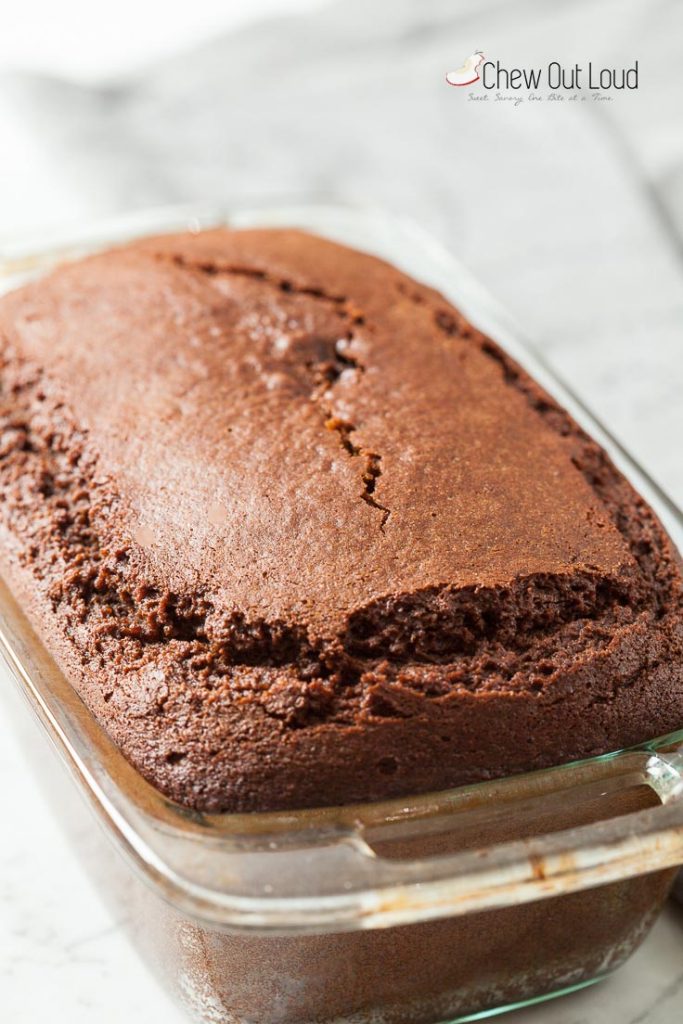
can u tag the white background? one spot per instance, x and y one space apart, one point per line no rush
91 41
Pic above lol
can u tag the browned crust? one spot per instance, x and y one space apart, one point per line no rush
412 690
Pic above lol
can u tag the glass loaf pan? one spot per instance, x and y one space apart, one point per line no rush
444 907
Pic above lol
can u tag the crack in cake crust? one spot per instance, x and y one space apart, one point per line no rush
325 374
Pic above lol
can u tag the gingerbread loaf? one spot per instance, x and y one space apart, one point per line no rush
300 535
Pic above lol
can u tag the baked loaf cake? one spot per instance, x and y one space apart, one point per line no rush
300 535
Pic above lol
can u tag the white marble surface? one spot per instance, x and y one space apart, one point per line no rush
573 219
74 39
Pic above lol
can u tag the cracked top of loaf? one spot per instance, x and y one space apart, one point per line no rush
299 534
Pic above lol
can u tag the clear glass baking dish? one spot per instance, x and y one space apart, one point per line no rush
446 907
